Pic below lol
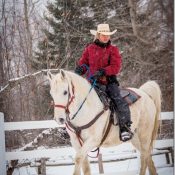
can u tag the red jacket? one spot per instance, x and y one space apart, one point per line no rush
97 57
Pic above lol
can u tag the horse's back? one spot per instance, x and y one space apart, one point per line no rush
143 111
150 101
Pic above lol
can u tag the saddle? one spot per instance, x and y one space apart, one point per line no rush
127 94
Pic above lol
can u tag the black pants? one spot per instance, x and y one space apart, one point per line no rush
113 91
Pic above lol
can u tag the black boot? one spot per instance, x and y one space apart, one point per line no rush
125 133
123 110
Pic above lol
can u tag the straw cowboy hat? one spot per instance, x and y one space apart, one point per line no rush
103 29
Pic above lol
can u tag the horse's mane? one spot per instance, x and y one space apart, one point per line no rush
78 80
83 86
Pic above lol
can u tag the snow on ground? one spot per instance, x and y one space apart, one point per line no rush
110 168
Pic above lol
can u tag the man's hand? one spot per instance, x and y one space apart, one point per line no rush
99 73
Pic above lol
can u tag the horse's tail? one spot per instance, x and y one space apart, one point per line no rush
153 90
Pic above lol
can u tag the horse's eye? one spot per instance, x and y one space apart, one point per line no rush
65 92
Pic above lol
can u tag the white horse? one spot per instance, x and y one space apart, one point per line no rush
69 92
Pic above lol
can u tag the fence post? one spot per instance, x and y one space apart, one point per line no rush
100 164
2 146
42 167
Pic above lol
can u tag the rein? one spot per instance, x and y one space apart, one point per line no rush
66 107
77 129
84 100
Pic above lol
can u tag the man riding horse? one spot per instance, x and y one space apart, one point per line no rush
104 62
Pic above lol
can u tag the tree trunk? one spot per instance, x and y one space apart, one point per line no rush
29 36
132 6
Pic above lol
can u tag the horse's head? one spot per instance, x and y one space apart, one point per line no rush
61 93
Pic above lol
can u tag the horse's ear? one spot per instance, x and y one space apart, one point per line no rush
49 75
67 77
63 75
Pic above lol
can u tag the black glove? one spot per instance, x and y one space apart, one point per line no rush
79 70
99 73
113 79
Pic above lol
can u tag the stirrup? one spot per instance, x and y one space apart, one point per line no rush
125 136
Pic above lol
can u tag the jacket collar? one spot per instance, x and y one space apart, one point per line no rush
103 45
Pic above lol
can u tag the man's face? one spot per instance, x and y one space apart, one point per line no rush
104 38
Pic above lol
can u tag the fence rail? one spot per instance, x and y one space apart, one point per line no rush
9 126
68 153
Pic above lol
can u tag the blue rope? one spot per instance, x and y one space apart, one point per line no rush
94 84
88 73
86 66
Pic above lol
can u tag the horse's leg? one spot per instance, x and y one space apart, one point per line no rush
144 162
143 154
81 156
146 159
138 161
86 166
135 141
78 162
151 166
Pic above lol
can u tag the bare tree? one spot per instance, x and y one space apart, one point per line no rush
19 32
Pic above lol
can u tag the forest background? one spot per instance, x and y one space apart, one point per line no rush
36 35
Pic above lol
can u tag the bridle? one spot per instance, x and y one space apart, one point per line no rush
70 100
77 129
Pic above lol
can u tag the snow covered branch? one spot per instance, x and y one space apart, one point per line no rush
15 81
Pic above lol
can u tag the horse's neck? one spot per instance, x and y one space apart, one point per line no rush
92 105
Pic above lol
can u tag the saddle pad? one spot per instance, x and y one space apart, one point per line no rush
129 96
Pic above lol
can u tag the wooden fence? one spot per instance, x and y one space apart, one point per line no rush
166 145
